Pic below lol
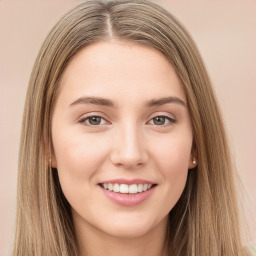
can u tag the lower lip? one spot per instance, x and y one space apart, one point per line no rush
128 199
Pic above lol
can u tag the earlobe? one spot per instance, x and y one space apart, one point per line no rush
52 161
192 162
51 158
193 158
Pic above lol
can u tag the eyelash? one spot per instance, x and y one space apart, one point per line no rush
167 121
84 120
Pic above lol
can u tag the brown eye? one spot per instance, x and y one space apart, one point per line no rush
94 120
159 120
162 120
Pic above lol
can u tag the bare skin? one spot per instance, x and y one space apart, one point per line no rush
121 114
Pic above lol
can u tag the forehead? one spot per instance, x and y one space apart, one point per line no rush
120 68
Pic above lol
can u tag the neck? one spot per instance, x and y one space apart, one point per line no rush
94 242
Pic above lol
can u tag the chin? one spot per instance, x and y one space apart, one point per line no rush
128 231
133 228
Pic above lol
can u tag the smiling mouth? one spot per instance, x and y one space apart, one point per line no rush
127 189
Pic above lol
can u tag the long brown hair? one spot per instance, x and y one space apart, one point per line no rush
204 222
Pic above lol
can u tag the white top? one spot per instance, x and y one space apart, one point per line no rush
251 249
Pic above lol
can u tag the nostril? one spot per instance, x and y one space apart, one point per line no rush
128 161
129 152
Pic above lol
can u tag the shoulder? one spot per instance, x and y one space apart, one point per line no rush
251 248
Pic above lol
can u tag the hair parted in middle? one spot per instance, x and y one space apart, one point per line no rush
204 222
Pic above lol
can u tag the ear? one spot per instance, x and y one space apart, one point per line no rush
53 161
192 160
51 157
192 163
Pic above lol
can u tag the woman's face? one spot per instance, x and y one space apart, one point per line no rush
121 123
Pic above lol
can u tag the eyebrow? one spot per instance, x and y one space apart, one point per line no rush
94 101
108 103
162 101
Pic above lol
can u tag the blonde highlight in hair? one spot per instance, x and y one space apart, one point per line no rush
204 222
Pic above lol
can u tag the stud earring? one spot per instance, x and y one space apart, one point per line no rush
50 160
194 161
50 156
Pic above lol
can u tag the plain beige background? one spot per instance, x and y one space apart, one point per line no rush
225 34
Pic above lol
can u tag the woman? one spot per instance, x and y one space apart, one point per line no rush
123 150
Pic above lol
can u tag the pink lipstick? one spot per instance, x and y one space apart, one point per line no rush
127 192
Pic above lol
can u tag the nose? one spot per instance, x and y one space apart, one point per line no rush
129 148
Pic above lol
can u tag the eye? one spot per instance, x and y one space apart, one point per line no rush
162 120
93 120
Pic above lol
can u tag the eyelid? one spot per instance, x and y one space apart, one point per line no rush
92 114
171 118
162 113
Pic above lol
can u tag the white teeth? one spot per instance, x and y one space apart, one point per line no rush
140 187
133 189
110 186
125 188
116 188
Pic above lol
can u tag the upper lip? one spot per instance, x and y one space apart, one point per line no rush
128 182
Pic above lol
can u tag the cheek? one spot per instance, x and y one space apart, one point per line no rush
78 159
79 154
172 158
173 154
